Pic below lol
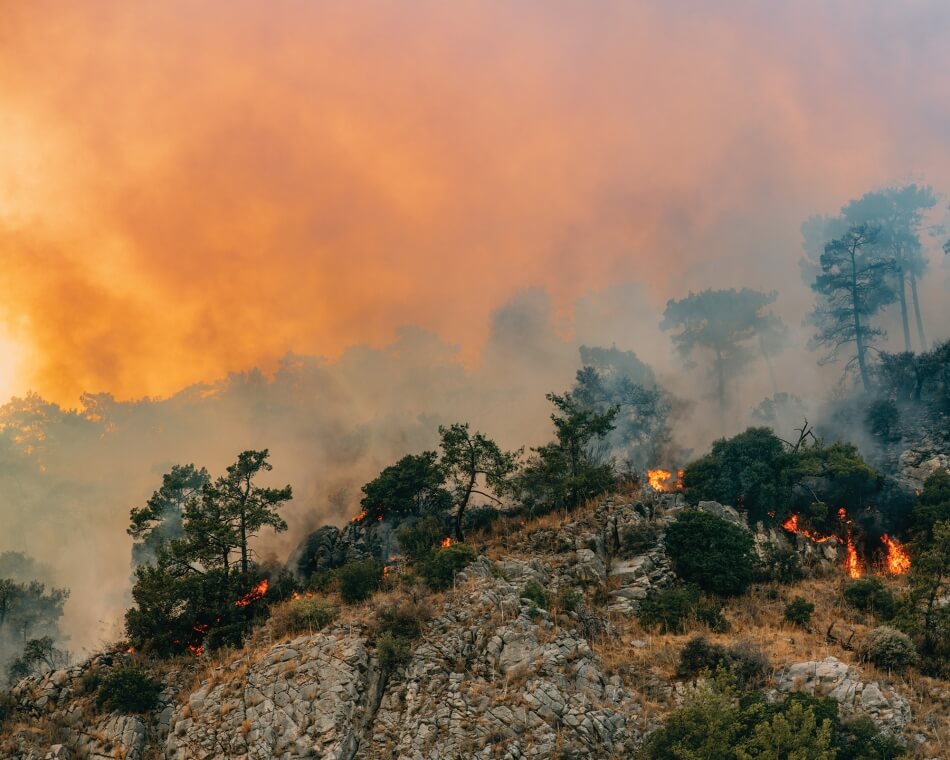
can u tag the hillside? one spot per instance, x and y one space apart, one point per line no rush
535 651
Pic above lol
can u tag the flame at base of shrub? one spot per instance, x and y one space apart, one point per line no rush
897 561
253 595
662 480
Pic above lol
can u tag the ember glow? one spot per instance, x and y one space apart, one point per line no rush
897 561
447 542
359 518
253 595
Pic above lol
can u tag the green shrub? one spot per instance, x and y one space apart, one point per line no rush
714 554
746 661
440 569
480 518
782 565
882 419
392 651
569 599
535 593
403 618
798 611
870 595
359 580
670 610
420 539
128 689
324 581
308 613
889 648
638 538
860 739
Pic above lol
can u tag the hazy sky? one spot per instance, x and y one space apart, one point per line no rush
188 188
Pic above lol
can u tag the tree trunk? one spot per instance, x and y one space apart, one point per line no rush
858 337
920 321
905 322
462 505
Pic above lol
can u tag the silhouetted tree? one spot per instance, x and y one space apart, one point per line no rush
853 286
413 485
468 457
564 473
731 326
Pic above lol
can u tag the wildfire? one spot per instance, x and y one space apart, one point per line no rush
296 596
898 560
359 518
852 561
791 525
447 542
253 595
658 479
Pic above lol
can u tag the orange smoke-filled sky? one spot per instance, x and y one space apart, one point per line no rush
188 188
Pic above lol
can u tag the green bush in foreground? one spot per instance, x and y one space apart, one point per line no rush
716 555
798 611
359 580
440 569
889 648
128 689
870 595
671 609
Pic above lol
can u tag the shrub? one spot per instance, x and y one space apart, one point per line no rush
860 739
323 581
746 661
798 611
535 593
128 689
304 614
714 554
569 599
638 538
358 580
419 540
782 565
392 651
670 609
402 618
889 648
870 595
480 518
440 569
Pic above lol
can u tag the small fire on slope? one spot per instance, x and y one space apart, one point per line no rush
447 542
253 595
897 561
662 480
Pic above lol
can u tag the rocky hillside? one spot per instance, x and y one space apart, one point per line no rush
498 671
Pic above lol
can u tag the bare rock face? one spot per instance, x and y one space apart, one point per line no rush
301 698
832 678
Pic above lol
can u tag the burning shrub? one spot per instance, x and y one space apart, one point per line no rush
889 648
441 568
798 611
128 690
714 554
870 595
670 610
359 580
746 661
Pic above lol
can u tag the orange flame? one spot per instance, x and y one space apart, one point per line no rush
852 561
658 479
360 517
898 560
447 542
253 595
791 525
